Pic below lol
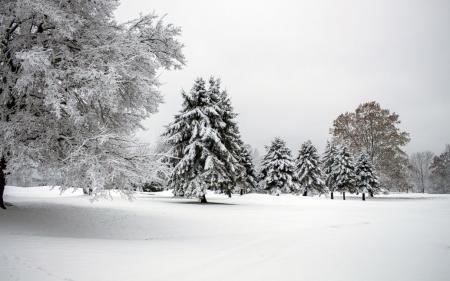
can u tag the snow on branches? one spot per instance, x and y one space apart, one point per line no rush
308 171
206 142
343 171
367 181
277 169
76 86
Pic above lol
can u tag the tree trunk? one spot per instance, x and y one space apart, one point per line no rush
203 199
370 193
242 192
332 195
343 195
305 193
364 196
2 181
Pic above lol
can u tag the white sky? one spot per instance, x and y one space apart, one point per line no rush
291 67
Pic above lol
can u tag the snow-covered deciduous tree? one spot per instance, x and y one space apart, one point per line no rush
203 161
278 169
343 171
308 172
366 180
75 85
160 155
328 160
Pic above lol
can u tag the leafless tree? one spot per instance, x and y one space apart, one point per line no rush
420 166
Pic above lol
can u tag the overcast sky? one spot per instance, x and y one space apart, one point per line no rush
291 67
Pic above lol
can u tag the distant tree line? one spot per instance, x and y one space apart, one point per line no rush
431 173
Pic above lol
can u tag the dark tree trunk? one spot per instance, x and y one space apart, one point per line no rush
332 195
343 195
2 181
242 192
305 193
203 199
364 196
370 193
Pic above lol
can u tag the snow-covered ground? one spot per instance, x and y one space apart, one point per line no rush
45 236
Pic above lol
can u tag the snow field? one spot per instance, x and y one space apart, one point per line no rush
46 236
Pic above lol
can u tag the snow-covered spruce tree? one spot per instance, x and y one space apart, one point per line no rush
231 138
203 161
229 131
308 171
343 171
250 181
76 85
327 166
366 179
277 169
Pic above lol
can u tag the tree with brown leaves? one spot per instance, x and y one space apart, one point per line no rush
375 131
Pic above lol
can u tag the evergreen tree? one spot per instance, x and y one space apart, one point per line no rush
277 169
229 131
250 181
327 165
366 179
440 172
343 171
231 138
308 171
203 160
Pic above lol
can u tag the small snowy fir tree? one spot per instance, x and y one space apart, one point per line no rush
204 162
277 169
343 171
367 181
250 181
327 166
308 171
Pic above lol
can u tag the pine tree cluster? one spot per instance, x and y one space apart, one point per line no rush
343 174
207 153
